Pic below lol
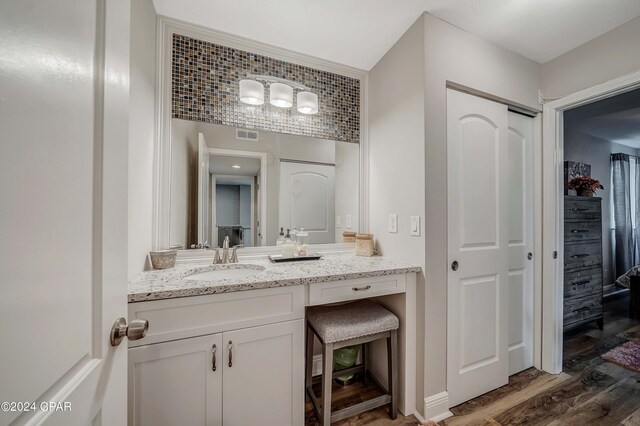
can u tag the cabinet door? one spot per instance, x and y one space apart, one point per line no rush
263 375
173 383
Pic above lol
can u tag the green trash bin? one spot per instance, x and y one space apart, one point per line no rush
344 358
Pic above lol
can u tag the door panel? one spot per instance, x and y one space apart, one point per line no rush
520 242
174 383
478 223
265 379
307 199
64 70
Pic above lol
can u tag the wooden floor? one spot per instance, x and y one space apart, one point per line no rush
591 391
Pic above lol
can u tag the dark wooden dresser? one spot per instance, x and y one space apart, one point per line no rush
583 274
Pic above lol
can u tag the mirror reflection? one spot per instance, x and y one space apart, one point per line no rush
253 186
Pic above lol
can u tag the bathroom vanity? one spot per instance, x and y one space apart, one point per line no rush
228 346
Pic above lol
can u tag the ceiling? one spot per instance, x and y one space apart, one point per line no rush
221 165
359 32
616 119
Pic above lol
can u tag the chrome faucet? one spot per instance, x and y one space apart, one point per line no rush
226 258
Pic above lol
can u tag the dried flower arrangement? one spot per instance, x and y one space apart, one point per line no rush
585 185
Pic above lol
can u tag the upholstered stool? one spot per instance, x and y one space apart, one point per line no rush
355 323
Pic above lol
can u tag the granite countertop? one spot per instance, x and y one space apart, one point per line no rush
174 282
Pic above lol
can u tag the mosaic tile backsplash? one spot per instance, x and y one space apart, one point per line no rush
205 88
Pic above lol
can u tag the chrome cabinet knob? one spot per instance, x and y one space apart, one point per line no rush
134 331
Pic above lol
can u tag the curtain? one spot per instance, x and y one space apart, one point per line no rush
625 178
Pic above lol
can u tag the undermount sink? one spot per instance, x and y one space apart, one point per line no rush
225 272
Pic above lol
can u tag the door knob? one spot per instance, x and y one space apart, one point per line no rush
134 331
455 265
529 255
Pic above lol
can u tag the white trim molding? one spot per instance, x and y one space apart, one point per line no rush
553 210
436 407
166 27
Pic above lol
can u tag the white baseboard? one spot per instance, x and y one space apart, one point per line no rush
436 407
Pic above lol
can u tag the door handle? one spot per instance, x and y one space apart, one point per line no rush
455 265
230 347
213 357
365 288
577 256
134 331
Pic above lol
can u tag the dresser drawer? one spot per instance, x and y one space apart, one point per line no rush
361 288
581 308
582 255
583 282
575 209
582 231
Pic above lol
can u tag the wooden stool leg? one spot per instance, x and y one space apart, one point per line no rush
366 360
309 358
327 380
392 363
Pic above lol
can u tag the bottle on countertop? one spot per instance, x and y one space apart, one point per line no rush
288 248
302 242
280 239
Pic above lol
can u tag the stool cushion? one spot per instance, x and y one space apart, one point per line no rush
338 323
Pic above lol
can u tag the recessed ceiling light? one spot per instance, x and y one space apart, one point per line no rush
236 166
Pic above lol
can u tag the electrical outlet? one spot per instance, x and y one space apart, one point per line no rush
393 223
414 226
338 225
348 220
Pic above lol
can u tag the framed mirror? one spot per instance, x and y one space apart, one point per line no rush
225 168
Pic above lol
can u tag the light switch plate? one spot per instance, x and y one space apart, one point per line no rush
393 223
338 225
414 226
348 221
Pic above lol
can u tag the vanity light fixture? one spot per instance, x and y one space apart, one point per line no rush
307 102
280 93
251 92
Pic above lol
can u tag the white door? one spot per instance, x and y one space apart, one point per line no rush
478 224
520 242
307 199
64 84
263 375
203 192
176 383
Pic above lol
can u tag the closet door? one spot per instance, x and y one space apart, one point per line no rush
520 242
478 246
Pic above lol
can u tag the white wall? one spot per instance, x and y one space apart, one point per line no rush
183 217
141 133
613 54
408 143
347 188
396 101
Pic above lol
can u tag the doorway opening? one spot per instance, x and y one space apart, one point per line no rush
586 237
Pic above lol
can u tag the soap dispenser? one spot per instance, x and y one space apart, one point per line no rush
288 248
280 239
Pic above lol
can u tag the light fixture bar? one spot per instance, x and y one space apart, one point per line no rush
270 79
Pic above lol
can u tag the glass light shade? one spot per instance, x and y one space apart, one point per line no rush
251 92
281 95
307 102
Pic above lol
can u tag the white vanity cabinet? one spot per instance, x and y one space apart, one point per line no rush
258 368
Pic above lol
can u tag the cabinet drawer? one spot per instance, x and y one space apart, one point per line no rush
582 255
172 319
581 209
583 282
581 308
582 231
338 291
